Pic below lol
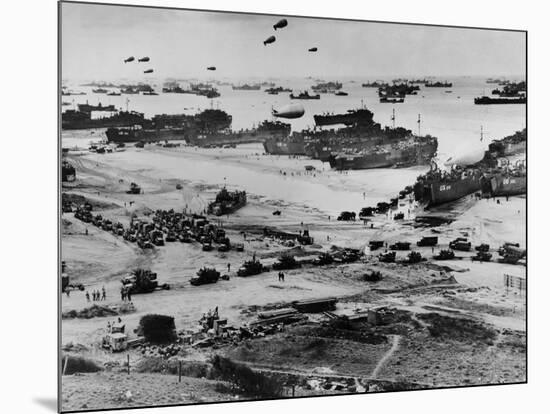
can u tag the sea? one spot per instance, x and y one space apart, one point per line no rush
463 129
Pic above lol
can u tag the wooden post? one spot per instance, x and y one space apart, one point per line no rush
179 371
65 365
128 364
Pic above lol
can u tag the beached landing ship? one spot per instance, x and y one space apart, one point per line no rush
509 145
289 145
414 151
352 117
99 107
227 202
72 119
265 131
438 187
209 128
508 183
484 177
173 127
362 144
125 135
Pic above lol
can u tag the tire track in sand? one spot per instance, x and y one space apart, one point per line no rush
387 355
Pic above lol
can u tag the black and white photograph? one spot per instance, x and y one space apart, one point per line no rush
271 206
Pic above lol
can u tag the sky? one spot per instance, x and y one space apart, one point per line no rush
97 38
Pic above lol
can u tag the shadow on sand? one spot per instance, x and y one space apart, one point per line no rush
49 403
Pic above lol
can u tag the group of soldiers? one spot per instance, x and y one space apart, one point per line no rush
125 294
97 295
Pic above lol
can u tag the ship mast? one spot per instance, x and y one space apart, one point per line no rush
393 118
127 101
418 124
481 133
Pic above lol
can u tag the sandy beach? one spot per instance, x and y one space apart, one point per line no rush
459 289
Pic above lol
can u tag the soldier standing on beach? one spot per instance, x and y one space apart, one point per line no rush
103 293
87 296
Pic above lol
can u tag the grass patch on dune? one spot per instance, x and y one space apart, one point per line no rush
73 364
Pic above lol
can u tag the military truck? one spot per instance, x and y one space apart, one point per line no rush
185 237
140 281
171 236
157 237
427 241
511 253
134 189
388 257
115 340
286 262
97 220
305 238
461 243
224 248
107 225
483 247
400 246
144 243
324 259
375 244
482 256
251 268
